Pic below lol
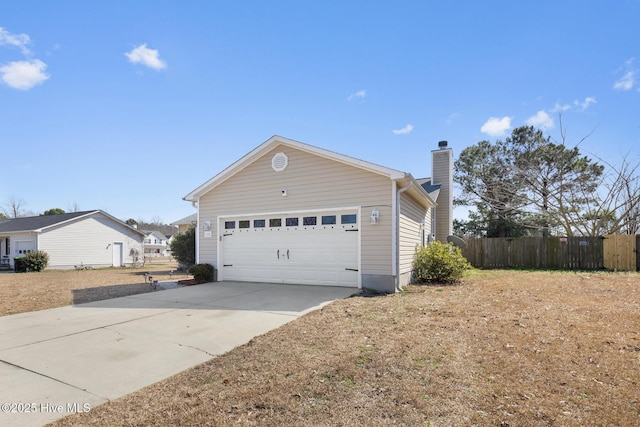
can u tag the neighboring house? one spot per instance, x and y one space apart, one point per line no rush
289 212
155 244
90 238
186 223
169 240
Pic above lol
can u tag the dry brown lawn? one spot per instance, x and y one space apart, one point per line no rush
506 348
23 292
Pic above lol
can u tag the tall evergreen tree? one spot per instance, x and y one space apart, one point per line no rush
526 184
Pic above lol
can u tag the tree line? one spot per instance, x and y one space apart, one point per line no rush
527 185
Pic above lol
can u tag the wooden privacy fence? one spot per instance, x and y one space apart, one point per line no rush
621 252
571 253
613 251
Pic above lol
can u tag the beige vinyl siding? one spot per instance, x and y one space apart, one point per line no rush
88 241
442 174
412 215
312 183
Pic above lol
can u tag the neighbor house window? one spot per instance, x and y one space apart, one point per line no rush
328 219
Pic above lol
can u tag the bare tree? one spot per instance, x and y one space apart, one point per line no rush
14 208
616 207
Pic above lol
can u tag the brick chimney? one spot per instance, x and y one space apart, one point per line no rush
442 173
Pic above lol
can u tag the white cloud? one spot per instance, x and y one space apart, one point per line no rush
23 75
405 130
540 120
18 40
583 105
495 126
560 108
359 94
145 56
452 117
628 80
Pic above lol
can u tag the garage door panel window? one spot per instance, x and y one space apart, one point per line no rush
259 223
291 222
229 225
349 219
275 222
244 224
328 219
309 220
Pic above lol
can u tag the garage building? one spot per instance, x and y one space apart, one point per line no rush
289 212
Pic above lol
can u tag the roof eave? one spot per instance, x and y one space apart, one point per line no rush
275 140
417 190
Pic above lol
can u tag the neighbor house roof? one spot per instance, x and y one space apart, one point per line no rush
42 222
274 141
154 233
188 220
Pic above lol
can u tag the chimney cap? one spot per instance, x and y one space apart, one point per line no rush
442 144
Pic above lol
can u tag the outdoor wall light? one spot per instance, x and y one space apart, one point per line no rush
375 216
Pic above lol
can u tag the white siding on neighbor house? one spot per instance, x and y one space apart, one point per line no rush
312 183
89 241
412 216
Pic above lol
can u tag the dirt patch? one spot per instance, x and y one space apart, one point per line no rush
23 292
505 348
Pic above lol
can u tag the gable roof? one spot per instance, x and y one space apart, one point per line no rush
188 220
432 189
42 222
276 140
154 233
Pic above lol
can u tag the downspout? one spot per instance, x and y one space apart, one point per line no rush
196 204
397 225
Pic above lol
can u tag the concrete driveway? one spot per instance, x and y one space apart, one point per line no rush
64 360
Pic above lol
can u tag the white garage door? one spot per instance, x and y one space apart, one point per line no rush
23 247
315 249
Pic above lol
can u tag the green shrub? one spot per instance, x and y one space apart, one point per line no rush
202 272
36 261
439 263
183 248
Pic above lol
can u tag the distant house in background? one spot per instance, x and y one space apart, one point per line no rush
89 238
155 244
186 223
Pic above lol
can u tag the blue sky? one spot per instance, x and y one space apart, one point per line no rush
127 106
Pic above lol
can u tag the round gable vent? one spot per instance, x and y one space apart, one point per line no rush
279 162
